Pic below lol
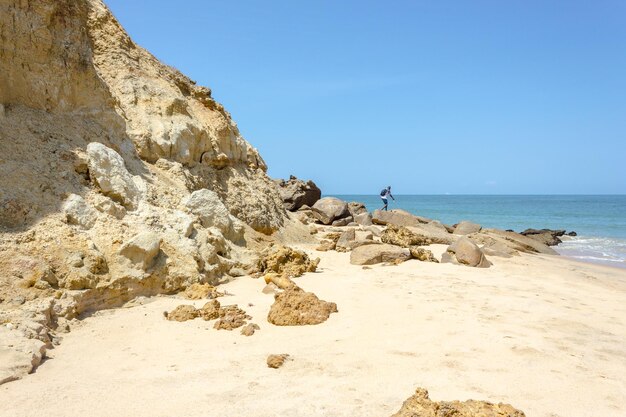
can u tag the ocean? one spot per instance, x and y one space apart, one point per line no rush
599 220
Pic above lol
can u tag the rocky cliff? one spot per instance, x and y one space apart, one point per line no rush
119 176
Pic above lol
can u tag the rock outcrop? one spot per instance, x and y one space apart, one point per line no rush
286 261
296 193
420 405
466 228
548 237
119 175
397 217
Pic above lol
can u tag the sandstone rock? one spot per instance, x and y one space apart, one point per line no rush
286 261
108 171
466 228
397 217
142 249
18 355
199 291
517 241
401 236
231 317
78 212
420 405
376 230
355 208
276 361
422 254
279 281
249 329
326 245
343 222
296 193
364 219
466 252
182 313
374 254
343 244
210 310
328 209
546 236
211 212
295 307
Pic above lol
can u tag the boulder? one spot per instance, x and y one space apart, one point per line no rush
18 355
142 250
109 173
78 212
515 241
397 217
343 222
211 211
465 252
420 405
466 228
346 238
296 193
546 236
374 254
356 207
328 209
295 307
364 219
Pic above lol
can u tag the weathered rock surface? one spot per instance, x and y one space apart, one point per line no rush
420 405
276 361
101 145
329 209
466 228
286 261
296 193
375 254
397 217
465 252
421 235
422 254
546 236
295 307
199 291
513 240
249 329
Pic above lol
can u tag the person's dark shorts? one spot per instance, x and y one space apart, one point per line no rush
384 200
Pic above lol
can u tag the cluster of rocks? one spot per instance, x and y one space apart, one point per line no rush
228 317
395 236
548 236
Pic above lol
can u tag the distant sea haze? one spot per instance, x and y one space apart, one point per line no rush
599 220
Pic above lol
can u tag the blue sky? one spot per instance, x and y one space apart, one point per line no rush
432 97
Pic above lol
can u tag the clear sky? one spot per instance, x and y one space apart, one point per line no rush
431 97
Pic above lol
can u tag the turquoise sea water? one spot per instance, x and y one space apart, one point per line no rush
599 220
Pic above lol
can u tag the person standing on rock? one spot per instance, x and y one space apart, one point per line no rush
384 195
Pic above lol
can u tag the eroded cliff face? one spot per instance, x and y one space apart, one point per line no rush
118 175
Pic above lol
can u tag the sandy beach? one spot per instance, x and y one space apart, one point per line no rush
543 333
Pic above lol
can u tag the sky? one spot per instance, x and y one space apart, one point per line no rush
431 97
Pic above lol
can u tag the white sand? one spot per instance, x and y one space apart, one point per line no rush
546 334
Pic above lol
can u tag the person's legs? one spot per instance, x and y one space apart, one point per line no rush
385 204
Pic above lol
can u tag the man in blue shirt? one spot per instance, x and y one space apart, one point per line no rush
384 195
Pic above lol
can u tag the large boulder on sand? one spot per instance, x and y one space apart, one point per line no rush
295 307
424 234
466 228
420 405
465 252
375 254
329 209
397 217
109 173
296 193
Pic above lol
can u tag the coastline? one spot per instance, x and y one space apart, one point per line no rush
543 333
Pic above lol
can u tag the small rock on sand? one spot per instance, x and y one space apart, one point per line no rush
276 361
